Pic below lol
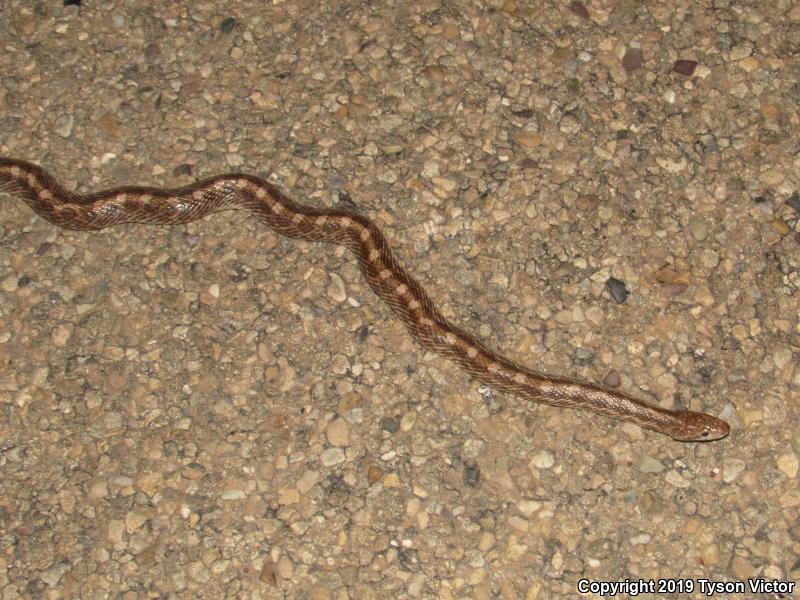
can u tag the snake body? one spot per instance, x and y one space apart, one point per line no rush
384 274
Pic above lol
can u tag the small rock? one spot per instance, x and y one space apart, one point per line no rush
374 473
790 499
579 9
60 336
337 433
135 519
528 507
698 227
528 139
587 202
109 125
781 227
408 421
289 496
233 494
543 460
9 284
389 424
731 469
648 464
267 574
617 289
116 531
633 59
307 481
772 177
684 67
391 481
612 379
788 465
472 475
742 568
677 480
63 125
434 73
336 290
749 64
709 258
332 456
149 483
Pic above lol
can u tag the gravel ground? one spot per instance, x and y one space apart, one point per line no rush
211 410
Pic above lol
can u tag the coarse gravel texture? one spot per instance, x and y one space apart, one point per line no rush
211 410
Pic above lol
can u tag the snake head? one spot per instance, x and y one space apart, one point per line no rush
698 427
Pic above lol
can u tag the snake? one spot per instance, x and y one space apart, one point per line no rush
379 266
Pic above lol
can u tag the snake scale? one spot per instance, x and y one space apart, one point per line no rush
384 274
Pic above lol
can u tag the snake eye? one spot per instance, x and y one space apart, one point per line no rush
706 432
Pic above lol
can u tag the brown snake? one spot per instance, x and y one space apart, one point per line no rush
380 268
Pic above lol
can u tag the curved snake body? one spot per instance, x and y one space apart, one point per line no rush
385 275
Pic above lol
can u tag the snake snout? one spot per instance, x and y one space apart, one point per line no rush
699 427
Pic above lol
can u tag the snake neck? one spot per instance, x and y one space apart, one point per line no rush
609 402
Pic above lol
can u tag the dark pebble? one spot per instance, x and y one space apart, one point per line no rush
612 379
389 424
685 67
675 289
181 170
633 59
472 475
617 290
227 25
794 201
579 9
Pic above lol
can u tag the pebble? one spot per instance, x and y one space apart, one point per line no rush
742 568
675 479
771 177
408 420
528 139
135 519
337 433
9 284
308 480
374 474
731 469
709 258
790 499
698 227
617 289
336 291
233 494
289 496
63 125
528 507
788 464
332 457
781 227
543 460
684 67
116 531
649 464
579 8
633 59
391 480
